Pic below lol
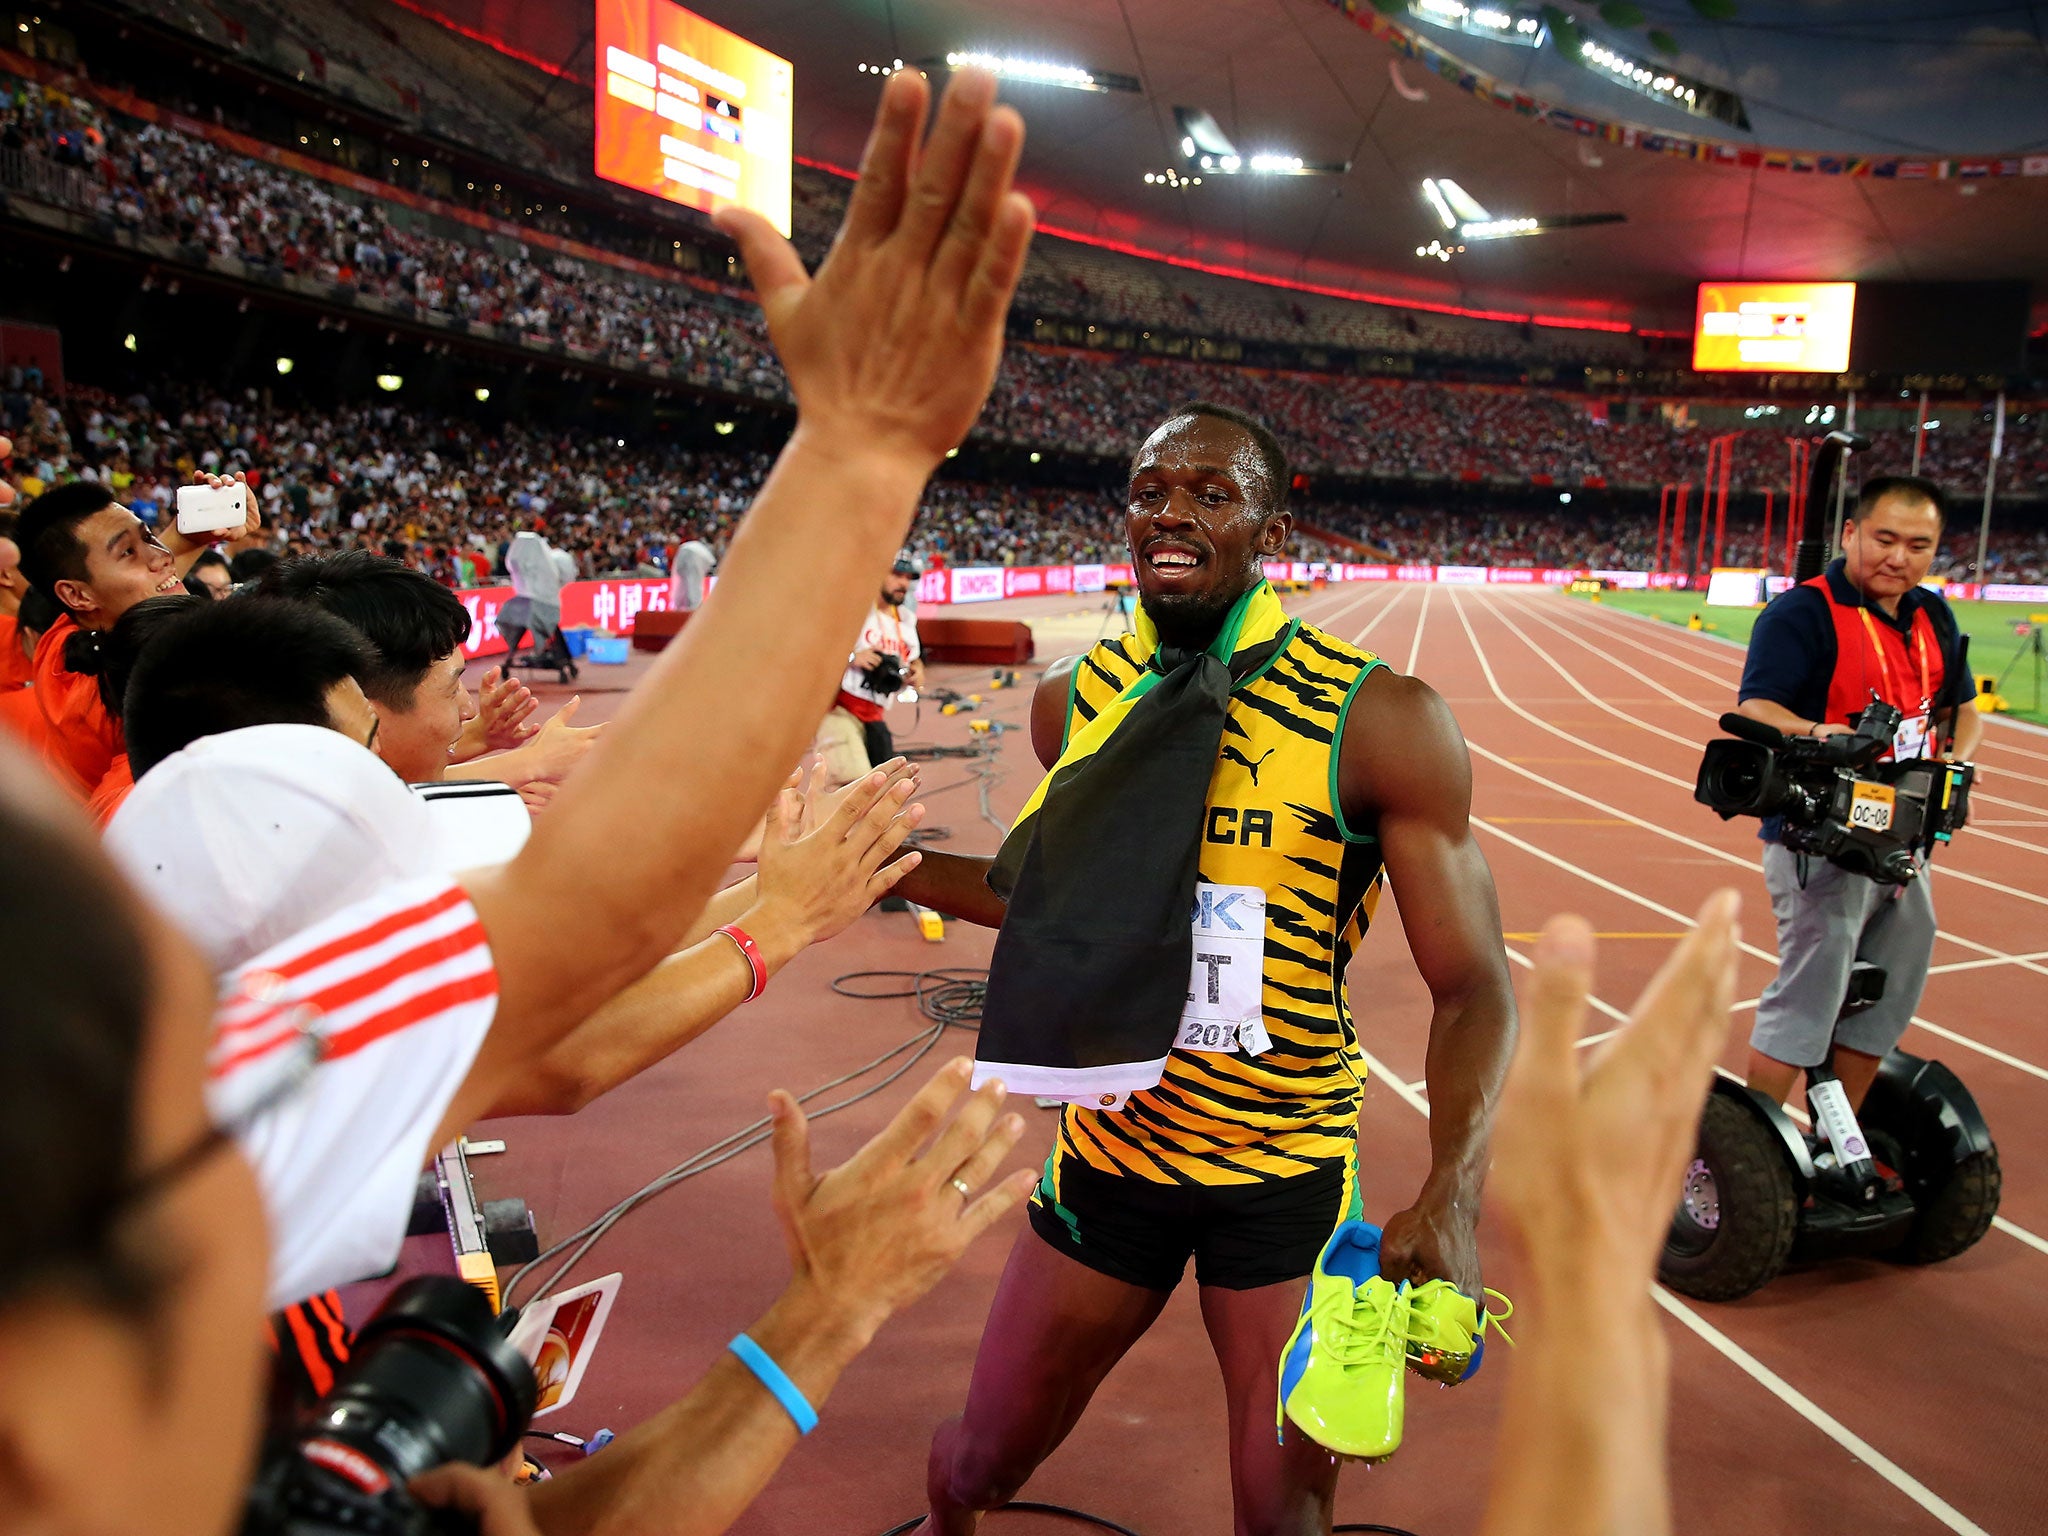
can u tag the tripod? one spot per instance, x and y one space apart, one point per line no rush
2035 649
1113 604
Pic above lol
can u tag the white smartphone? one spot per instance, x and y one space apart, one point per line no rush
207 509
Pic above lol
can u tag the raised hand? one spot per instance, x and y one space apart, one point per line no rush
878 1231
1588 1155
893 345
813 884
505 708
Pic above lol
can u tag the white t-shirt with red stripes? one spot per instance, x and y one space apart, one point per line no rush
401 988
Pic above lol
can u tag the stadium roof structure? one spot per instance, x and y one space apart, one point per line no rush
1886 139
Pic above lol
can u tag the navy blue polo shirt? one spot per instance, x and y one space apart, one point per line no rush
1792 650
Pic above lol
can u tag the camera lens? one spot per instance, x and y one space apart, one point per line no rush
1737 779
432 1380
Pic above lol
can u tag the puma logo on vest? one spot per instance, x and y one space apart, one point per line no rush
1232 755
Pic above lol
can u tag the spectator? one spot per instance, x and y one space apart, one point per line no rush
417 628
227 666
210 576
116 660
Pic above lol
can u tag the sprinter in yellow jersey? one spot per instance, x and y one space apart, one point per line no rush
1334 774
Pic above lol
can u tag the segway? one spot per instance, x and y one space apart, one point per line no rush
1917 1180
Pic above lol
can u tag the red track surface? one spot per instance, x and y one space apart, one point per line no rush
1859 1397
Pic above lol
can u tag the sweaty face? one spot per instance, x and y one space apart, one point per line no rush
1891 547
124 564
1197 523
415 741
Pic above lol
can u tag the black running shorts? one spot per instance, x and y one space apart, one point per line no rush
1241 1236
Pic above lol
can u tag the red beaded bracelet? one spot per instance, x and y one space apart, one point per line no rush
752 954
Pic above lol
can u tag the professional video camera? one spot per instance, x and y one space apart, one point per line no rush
432 1379
1836 799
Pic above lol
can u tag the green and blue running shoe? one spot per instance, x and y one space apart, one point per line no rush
1343 1377
1447 1330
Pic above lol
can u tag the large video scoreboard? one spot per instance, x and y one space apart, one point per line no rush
691 112
1773 327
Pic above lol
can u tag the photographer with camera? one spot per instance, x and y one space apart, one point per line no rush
1864 629
886 661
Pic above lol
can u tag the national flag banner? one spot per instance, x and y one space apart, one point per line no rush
1777 160
1972 169
2034 165
1749 159
1915 170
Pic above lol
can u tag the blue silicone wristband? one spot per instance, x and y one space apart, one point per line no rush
780 1387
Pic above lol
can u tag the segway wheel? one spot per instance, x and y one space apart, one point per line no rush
1955 1213
1737 1213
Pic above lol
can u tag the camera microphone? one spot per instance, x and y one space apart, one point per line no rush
1752 730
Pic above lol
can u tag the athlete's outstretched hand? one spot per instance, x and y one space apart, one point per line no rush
1588 1154
877 1232
893 345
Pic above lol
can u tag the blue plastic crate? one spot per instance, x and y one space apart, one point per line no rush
608 650
578 641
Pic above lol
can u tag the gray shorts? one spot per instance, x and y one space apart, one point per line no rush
1825 927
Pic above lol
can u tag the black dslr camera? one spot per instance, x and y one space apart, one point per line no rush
432 1379
886 675
1836 799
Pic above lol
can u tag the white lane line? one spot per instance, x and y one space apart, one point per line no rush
1976 795
1415 650
2003 1057
1458 607
1861 1449
1570 633
1978 965
1379 618
1721 648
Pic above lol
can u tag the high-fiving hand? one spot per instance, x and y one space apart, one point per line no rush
878 1231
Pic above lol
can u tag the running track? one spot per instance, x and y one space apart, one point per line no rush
1858 1397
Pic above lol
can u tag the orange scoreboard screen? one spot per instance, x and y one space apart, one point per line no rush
691 112
1773 327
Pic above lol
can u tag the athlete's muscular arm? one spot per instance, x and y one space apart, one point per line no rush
957 883
1404 772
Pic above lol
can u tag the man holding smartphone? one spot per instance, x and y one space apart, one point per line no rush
95 559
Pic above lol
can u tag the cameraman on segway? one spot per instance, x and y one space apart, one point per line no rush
1864 628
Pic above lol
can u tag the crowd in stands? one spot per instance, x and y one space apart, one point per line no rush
447 495
156 181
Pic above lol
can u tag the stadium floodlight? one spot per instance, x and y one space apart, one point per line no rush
284 365
1688 95
128 341
1006 66
1519 25
1204 143
1498 229
722 428
1434 194
1035 458
482 394
389 382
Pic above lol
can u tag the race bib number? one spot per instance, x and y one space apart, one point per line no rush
1871 807
1226 984
1911 742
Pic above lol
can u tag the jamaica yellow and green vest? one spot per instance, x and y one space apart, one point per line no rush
1272 820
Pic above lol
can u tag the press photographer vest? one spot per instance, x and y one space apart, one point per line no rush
1270 822
1905 670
